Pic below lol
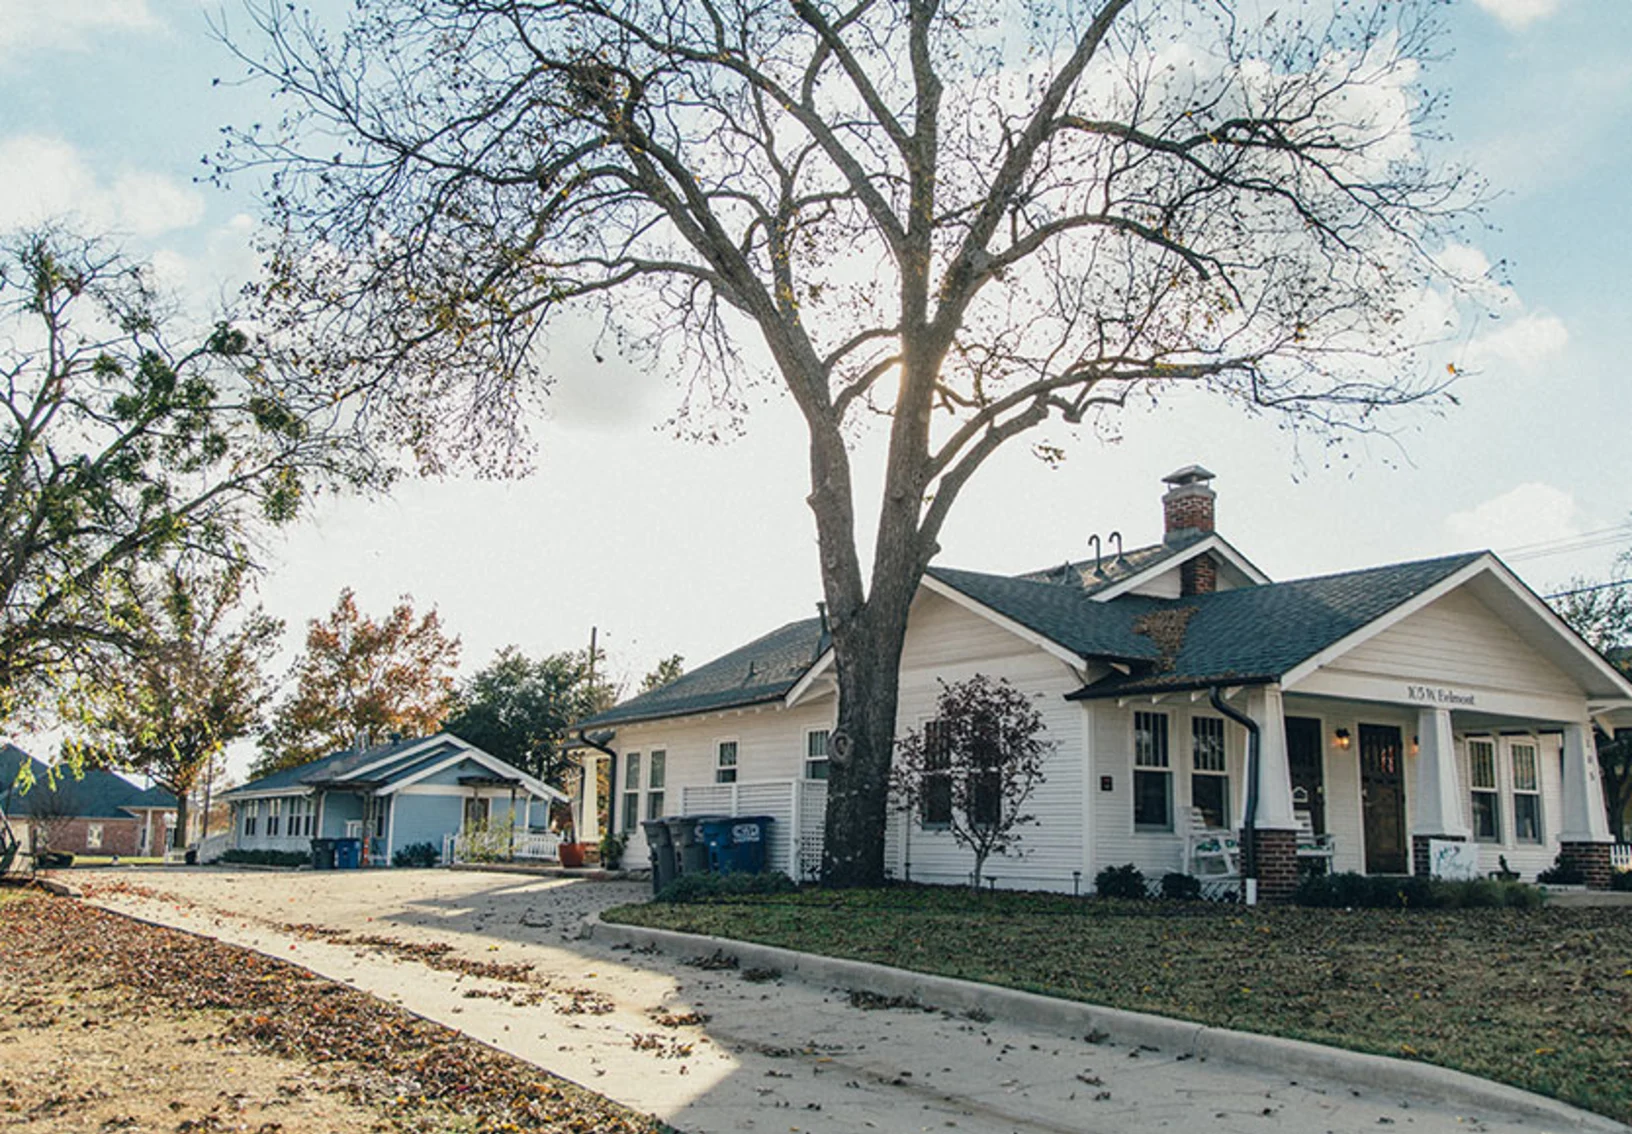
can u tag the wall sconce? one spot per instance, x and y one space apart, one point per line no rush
1340 739
1416 746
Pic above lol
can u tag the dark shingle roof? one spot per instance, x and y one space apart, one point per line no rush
97 795
1260 633
334 766
1094 575
1248 634
763 670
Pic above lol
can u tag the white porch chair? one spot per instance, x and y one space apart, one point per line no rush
1209 852
1313 848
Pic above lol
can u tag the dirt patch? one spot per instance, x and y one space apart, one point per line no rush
110 1024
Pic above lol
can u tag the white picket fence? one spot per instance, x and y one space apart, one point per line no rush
1620 856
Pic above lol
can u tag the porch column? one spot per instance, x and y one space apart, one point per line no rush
589 819
1275 827
1584 837
1437 810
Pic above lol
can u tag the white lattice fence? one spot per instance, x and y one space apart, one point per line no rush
812 821
781 800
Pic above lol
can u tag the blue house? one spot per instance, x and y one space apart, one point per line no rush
393 796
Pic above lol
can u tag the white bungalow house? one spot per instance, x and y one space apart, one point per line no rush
1395 710
390 797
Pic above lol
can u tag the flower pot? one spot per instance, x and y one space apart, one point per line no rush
572 854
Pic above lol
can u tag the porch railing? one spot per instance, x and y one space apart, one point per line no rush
1620 856
523 846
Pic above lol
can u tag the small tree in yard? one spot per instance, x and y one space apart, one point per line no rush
972 769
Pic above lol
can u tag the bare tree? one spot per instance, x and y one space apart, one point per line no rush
971 770
958 220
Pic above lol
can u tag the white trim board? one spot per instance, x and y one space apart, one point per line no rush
1214 543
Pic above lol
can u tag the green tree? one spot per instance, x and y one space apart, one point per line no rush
126 440
959 221
361 681
194 684
522 710
668 671
1601 612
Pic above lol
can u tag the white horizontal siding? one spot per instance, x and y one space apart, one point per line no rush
1458 641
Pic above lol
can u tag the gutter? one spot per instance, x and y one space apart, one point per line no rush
1249 825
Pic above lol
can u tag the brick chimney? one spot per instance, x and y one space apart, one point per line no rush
1187 508
1188 504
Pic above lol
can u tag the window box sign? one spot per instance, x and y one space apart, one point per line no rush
1453 861
1439 695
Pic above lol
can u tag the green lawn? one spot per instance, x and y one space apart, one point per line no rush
1541 999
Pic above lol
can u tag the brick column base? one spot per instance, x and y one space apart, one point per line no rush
1420 864
1592 859
1275 858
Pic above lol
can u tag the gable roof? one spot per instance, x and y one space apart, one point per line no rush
1095 575
96 795
763 670
1257 634
380 766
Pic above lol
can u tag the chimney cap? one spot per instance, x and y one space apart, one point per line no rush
1189 474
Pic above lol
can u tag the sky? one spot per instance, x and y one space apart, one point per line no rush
667 546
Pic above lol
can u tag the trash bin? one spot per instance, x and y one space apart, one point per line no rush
322 854
348 854
660 848
750 844
690 851
715 834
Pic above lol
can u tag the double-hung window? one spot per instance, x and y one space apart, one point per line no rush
1209 773
655 779
1486 796
93 836
1526 792
937 787
725 762
1152 776
631 791
816 754
274 818
252 814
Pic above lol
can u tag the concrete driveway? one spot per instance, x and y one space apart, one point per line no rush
714 1049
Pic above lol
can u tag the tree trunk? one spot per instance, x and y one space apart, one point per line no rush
178 841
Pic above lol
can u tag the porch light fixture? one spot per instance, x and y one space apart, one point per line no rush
1340 739
1416 745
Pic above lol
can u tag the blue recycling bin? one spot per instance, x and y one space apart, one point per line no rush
690 850
737 844
348 854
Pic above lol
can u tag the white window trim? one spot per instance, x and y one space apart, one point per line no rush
1504 824
736 766
1505 769
1218 773
1135 768
805 759
631 788
655 790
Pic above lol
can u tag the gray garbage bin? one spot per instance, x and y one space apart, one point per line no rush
690 850
322 854
660 848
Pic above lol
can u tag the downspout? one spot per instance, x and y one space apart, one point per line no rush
1249 824
612 774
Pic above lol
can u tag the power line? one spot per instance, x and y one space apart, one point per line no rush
1578 543
1541 543
1589 590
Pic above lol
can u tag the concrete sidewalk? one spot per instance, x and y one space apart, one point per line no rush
721 1049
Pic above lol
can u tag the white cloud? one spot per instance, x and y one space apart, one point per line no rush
49 178
68 25
1530 513
1518 14
1524 343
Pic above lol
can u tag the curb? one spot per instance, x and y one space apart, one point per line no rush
1268 1053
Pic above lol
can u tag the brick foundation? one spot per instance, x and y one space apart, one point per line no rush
1275 860
1420 862
1592 859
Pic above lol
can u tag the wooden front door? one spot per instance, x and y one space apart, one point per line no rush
1303 753
1382 797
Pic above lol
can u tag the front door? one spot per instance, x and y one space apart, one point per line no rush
1303 752
1382 796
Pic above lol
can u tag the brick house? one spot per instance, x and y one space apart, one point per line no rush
100 813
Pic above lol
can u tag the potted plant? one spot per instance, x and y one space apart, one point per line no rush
571 852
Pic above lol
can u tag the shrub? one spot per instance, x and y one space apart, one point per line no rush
1181 888
1562 873
266 858
1359 891
1124 881
417 854
612 847
696 887
1621 880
